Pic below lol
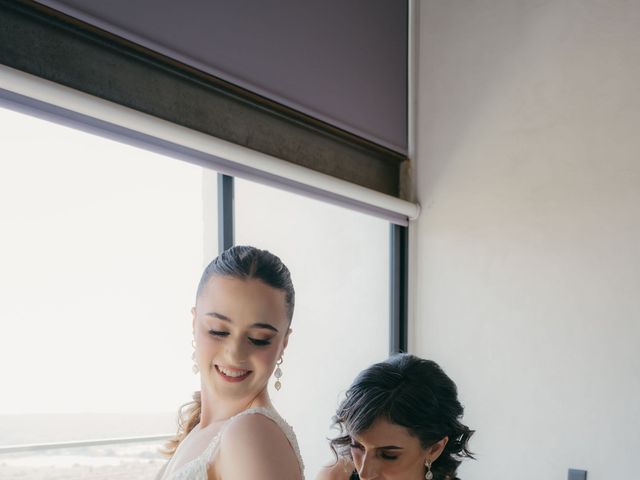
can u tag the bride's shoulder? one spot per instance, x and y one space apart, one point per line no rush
255 428
248 447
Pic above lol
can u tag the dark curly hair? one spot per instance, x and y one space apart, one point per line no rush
411 392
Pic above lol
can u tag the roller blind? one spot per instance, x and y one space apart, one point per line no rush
53 46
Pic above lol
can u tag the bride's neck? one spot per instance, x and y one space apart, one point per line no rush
215 408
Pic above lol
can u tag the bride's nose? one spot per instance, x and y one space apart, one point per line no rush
237 351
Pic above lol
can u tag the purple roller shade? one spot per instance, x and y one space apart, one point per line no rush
342 61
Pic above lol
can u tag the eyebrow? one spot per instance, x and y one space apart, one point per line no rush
266 326
386 447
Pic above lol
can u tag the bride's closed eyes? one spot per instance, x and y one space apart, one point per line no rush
258 342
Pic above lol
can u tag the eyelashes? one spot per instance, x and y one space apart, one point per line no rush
255 341
218 333
383 455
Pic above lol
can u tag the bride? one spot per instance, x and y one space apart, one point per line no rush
241 320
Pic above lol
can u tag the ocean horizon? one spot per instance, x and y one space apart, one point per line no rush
135 461
38 428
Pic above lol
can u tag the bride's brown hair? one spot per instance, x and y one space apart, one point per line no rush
241 262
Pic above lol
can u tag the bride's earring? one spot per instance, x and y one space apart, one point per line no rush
429 474
195 369
278 375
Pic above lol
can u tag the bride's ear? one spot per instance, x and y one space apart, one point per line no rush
286 339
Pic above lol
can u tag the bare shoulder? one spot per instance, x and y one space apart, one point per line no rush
257 428
341 470
254 446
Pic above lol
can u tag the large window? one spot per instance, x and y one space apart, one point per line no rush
102 245
101 248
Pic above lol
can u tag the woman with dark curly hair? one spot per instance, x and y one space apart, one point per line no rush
400 419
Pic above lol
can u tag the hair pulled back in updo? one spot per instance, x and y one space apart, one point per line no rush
242 262
413 393
245 262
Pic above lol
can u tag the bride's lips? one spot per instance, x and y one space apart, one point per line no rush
232 375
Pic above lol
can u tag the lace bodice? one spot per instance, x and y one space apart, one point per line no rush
196 469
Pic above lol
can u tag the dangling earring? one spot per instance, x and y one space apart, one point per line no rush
429 474
278 375
195 369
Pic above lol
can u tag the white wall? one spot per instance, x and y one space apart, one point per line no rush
527 273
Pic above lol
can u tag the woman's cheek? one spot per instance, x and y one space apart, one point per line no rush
266 355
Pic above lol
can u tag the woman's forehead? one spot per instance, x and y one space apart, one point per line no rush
382 432
242 297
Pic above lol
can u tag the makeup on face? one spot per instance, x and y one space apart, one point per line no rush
240 327
259 334
232 375
387 451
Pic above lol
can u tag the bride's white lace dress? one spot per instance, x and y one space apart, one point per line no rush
196 469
